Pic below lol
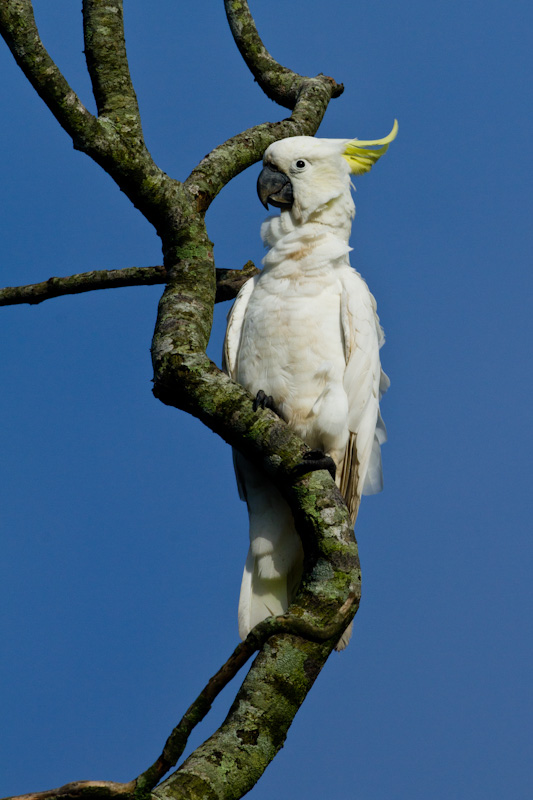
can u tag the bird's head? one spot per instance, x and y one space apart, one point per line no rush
304 174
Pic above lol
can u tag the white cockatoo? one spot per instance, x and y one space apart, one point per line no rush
303 336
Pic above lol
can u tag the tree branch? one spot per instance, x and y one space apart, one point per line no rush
17 26
229 282
107 64
308 98
177 740
290 658
83 282
92 790
115 144
278 83
246 148
264 708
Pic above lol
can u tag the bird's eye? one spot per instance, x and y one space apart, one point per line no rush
300 163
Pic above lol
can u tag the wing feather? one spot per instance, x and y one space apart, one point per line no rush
364 383
230 351
232 341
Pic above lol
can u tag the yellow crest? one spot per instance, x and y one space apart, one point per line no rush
360 158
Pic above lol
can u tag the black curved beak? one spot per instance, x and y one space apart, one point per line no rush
275 188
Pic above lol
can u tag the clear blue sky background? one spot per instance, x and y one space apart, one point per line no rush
123 539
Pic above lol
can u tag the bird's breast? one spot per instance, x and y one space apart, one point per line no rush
292 346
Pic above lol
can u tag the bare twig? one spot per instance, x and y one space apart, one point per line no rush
307 97
229 282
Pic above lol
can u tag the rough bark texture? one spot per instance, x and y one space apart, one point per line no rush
292 649
229 281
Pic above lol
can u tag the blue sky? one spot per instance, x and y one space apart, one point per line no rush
123 536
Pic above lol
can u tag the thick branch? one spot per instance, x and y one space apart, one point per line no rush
258 722
229 282
278 83
107 63
264 708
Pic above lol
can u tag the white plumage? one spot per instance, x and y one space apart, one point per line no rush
306 332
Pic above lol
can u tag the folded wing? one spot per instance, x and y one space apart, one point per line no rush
364 383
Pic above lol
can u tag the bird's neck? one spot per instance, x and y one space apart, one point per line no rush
336 215
297 249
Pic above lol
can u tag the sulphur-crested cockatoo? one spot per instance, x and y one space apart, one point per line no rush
304 335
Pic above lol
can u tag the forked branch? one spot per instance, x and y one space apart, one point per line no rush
176 742
285 624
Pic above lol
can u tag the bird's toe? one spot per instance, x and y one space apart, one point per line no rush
263 400
315 460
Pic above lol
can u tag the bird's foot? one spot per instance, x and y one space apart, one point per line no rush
315 460
263 400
